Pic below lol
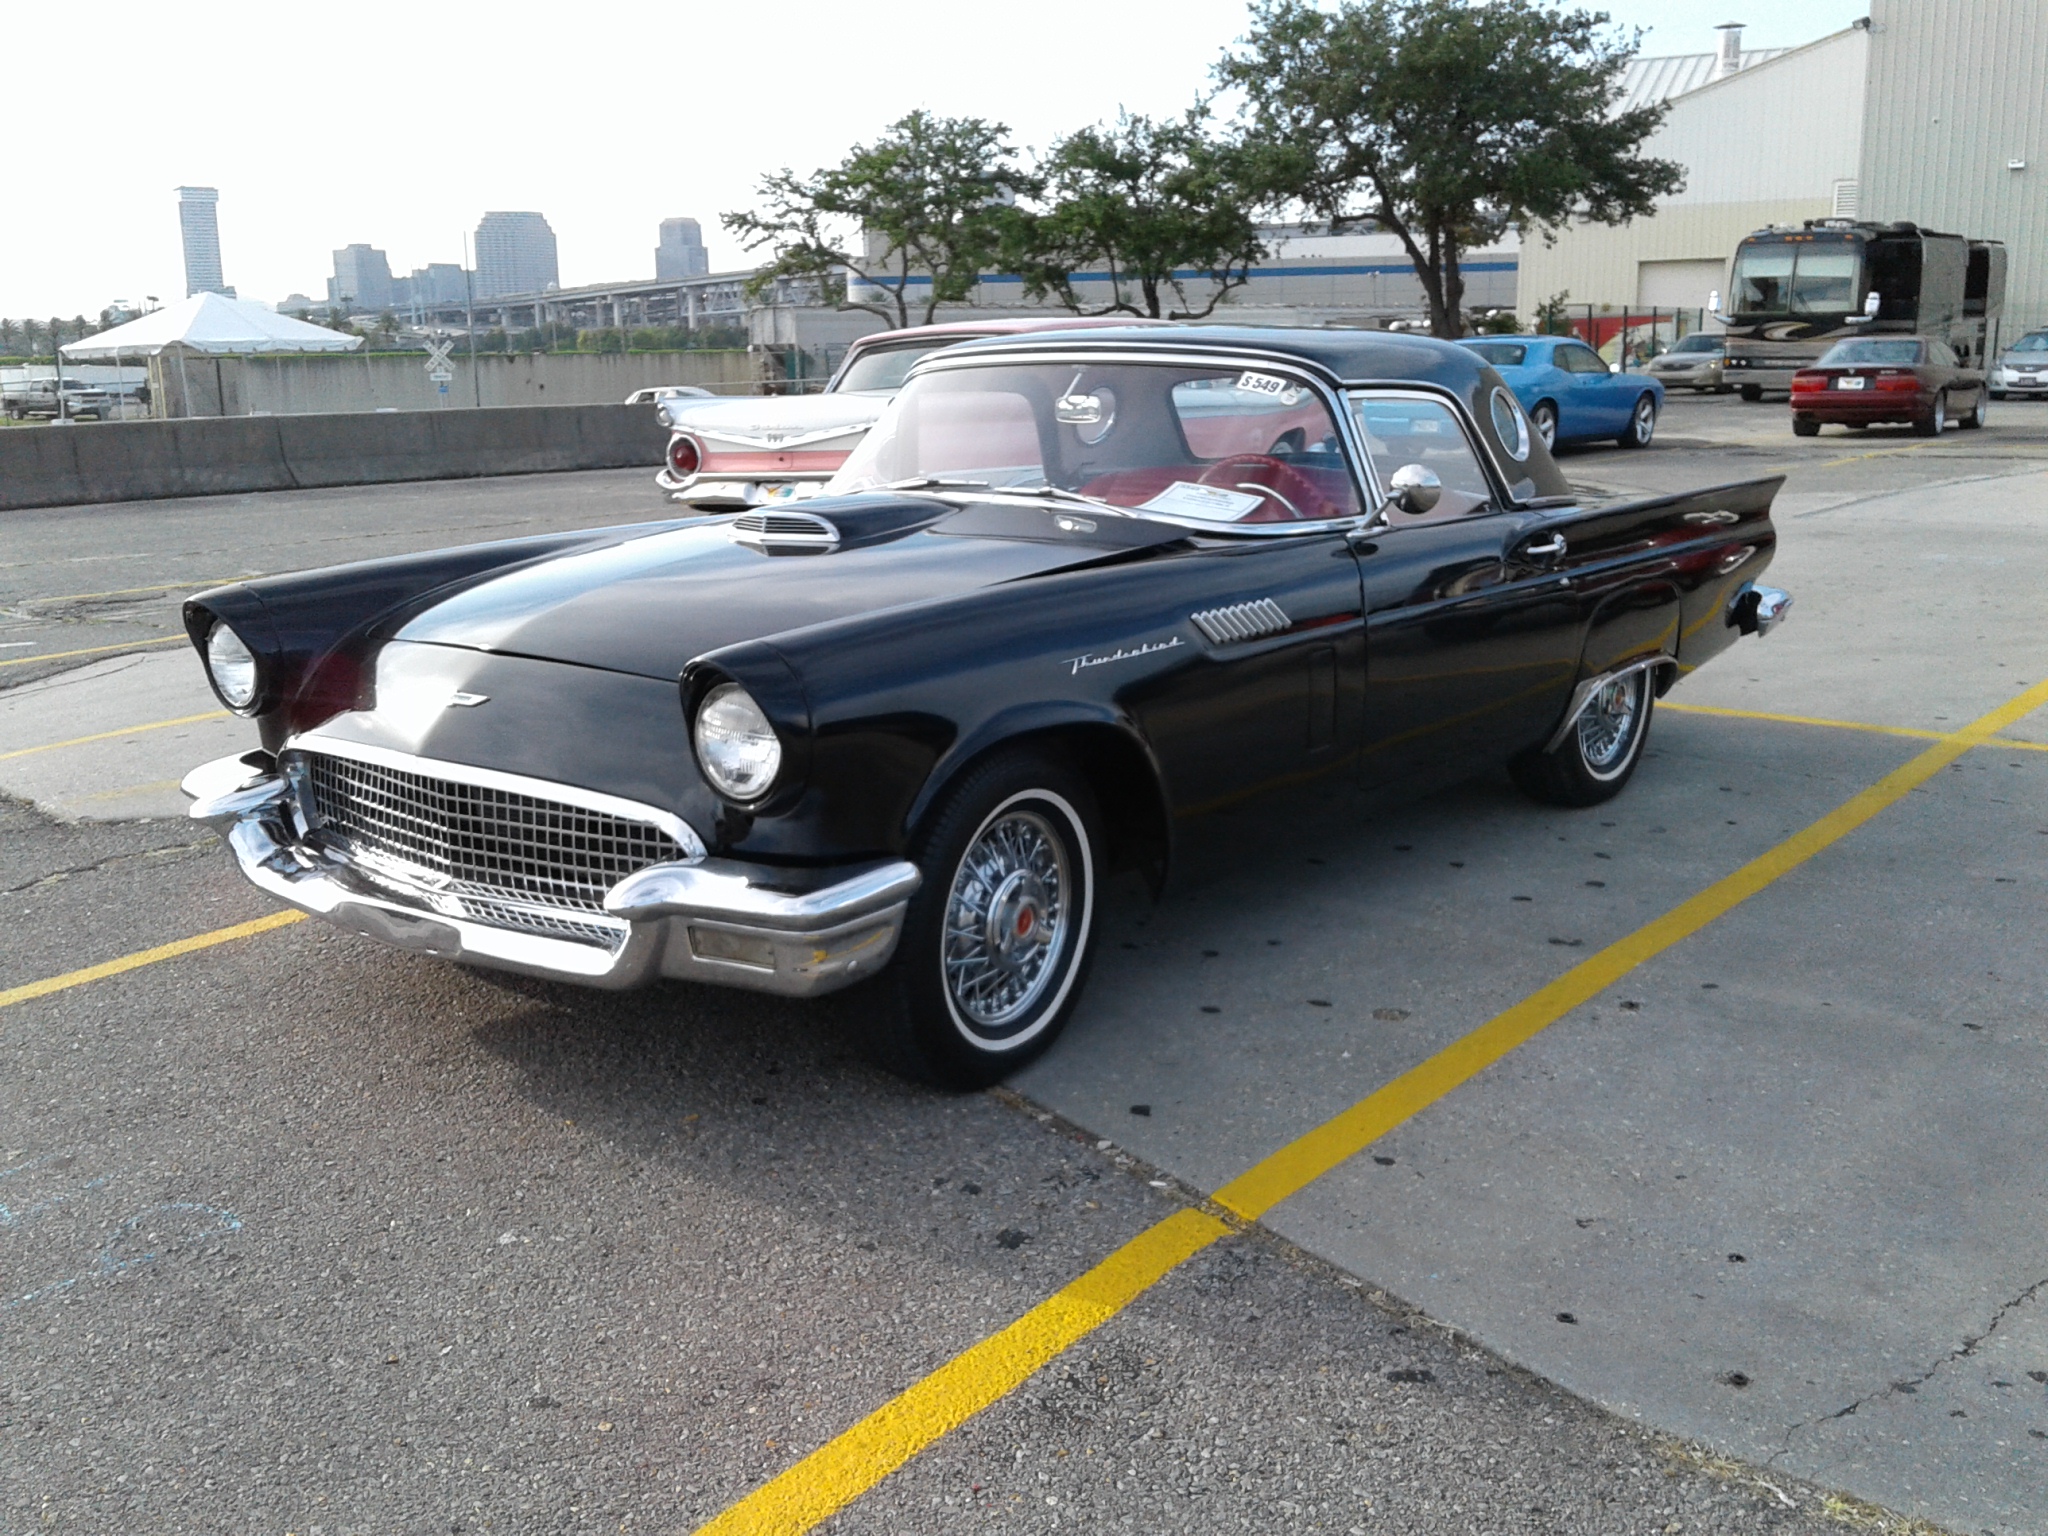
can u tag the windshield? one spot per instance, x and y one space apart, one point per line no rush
1700 344
883 369
1865 351
1502 354
1221 445
1795 279
2037 342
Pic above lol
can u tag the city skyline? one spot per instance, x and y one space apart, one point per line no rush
329 168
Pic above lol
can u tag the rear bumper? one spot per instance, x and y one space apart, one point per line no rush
1840 405
737 495
794 933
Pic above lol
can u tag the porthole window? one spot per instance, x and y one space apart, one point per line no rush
1510 425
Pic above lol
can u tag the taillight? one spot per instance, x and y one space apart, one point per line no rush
685 456
1898 383
1806 378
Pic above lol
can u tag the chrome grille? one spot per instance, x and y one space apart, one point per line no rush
499 857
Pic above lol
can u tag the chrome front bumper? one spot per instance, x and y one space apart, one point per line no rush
712 920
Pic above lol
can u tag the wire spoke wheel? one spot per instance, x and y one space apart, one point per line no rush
1007 921
1607 729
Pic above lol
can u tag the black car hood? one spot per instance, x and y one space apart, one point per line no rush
648 605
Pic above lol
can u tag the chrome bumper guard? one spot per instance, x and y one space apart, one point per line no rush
1758 610
711 920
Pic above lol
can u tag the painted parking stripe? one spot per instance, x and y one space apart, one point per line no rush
92 650
133 730
1843 725
142 957
836 1473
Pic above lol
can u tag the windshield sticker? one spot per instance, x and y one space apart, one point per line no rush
1076 664
1186 498
1273 387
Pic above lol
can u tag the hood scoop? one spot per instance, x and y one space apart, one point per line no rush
795 531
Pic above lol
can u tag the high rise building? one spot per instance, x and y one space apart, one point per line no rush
515 253
361 281
681 252
201 231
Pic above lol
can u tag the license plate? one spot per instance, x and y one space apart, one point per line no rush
1849 383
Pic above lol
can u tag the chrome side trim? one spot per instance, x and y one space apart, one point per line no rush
1583 694
1241 621
684 834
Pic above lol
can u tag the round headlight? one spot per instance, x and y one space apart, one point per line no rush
736 745
231 666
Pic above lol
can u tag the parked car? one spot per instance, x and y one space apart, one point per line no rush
746 452
2022 368
1072 590
1570 393
654 394
1870 379
23 398
1694 362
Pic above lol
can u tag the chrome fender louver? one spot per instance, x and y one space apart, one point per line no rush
1241 621
784 530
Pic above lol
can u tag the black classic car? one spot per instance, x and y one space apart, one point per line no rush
1070 591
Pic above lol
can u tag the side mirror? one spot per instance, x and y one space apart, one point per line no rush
1870 303
1714 302
1414 490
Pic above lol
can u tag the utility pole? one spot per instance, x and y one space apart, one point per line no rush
469 306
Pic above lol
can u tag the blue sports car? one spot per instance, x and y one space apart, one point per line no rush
1570 395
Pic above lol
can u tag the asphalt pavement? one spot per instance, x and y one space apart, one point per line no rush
299 1234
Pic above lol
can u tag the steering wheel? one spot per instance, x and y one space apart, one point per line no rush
1233 470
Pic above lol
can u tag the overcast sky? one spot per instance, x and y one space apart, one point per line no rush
401 124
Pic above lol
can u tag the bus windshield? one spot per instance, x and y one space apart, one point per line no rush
1784 279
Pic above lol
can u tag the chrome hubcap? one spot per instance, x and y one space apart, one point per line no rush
1006 919
1646 421
1608 727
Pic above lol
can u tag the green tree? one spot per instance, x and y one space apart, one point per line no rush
10 335
1445 124
929 201
1142 201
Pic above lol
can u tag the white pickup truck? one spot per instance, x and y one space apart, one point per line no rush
23 398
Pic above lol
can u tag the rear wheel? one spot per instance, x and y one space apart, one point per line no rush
1936 419
1543 417
1801 427
997 941
1642 424
1600 749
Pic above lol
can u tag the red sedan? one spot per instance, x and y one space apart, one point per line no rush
1915 379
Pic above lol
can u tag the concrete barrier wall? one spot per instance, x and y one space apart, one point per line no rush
338 382
138 460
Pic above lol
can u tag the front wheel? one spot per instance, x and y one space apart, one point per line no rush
1936 419
1975 419
1642 424
1543 417
997 940
1752 393
1600 749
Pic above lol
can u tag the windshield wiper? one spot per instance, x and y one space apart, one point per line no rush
1060 493
935 483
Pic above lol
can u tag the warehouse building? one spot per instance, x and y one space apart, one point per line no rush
1927 110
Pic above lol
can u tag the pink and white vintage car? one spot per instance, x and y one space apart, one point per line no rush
726 454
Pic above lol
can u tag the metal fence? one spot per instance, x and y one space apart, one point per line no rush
1625 335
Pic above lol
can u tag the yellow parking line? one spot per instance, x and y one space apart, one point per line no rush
140 958
830 1478
847 1466
1845 725
162 586
133 730
92 650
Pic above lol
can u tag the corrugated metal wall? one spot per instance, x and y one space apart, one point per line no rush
1957 89
1765 146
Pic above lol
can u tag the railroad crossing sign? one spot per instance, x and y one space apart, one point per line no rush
437 359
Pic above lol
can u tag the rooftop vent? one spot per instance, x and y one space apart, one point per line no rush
1730 60
784 530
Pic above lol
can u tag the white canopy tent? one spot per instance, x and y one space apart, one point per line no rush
211 325
209 322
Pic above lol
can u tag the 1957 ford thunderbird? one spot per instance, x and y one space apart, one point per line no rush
1072 589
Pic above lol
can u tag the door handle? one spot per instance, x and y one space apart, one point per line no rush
1552 548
